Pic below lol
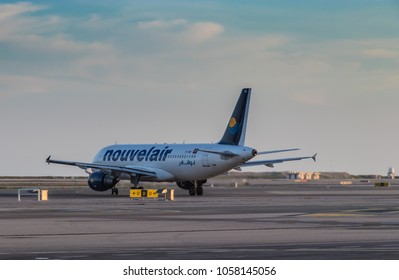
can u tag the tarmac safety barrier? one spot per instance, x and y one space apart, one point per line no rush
382 184
344 183
42 195
152 193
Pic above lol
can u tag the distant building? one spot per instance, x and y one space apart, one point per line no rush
391 173
304 175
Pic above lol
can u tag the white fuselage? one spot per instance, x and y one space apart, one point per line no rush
176 162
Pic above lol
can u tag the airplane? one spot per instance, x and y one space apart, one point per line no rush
189 165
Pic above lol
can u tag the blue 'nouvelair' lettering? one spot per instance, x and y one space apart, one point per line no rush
152 154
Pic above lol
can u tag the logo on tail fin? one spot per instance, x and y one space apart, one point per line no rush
233 122
234 126
235 131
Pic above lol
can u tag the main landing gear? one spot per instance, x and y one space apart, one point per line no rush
199 190
193 187
114 191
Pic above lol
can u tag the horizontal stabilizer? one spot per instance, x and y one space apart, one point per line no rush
277 151
271 162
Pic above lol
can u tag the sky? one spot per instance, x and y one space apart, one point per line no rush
79 75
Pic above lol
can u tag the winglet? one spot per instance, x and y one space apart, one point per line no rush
314 157
48 160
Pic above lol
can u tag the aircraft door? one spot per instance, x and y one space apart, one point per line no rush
205 160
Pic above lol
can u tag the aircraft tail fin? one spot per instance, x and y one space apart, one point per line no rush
236 128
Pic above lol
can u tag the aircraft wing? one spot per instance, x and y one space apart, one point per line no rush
271 162
116 170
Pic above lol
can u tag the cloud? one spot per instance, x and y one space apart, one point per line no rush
202 31
192 33
58 43
14 20
161 24
109 50
12 10
380 53
42 45
40 33
22 84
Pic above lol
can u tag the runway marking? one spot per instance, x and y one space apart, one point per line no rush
376 210
143 232
354 212
333 215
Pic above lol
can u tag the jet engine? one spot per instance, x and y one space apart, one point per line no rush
100 181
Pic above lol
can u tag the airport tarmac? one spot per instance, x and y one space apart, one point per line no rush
273 221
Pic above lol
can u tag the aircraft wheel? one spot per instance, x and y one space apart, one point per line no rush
200 190
114 191
191 191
